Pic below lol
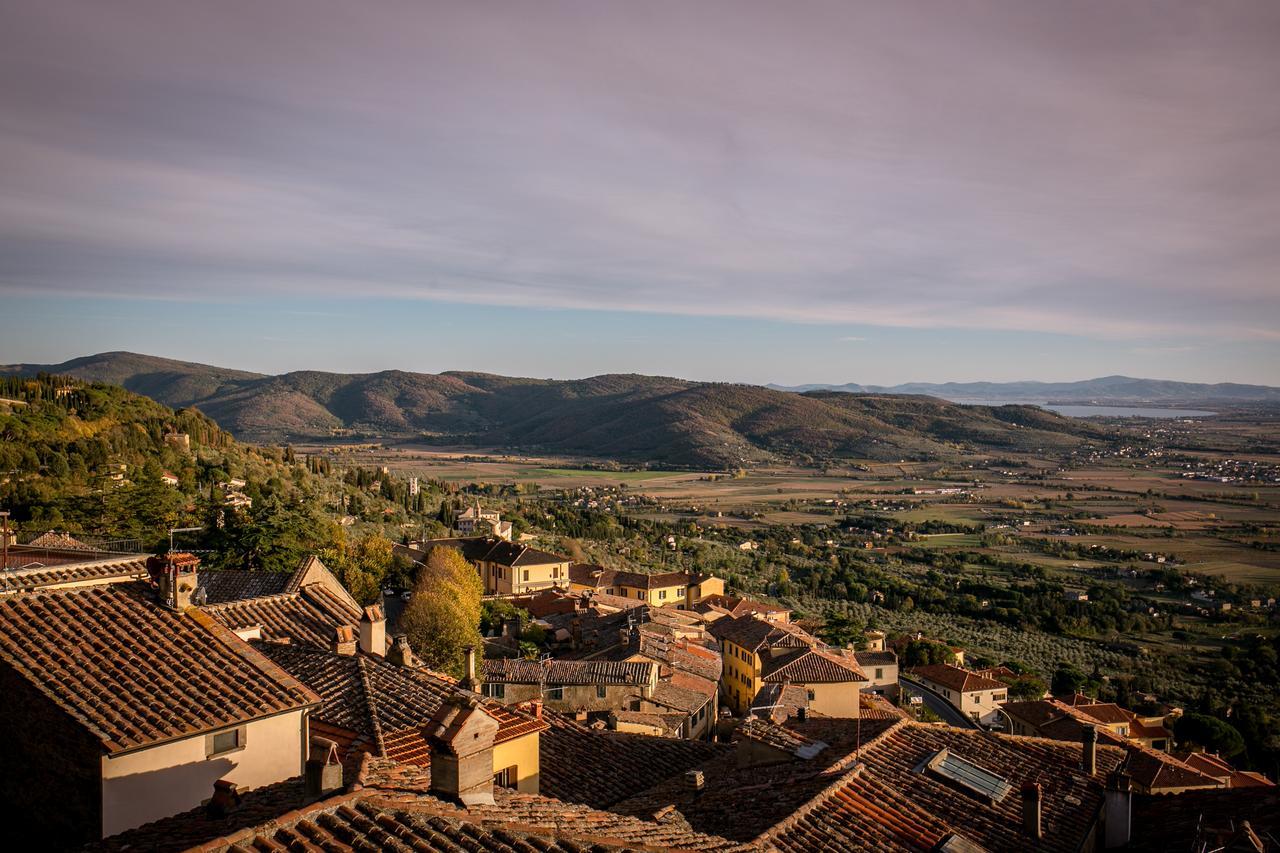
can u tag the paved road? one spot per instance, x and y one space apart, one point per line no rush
937 704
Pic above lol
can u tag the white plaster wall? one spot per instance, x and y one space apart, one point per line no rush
149 784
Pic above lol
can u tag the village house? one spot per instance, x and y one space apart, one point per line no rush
682 589
382 705
757 652
715 606
1151 771
569 685
507 568
126 704
973 695
475 521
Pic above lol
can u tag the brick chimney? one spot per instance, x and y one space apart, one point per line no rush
1031 808
1118 810
460 737
373 631
225 799
344 640
174 575
323 770
1089 757
472 680
400 654
695 780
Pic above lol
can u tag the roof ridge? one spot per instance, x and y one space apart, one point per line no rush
257 599
371 704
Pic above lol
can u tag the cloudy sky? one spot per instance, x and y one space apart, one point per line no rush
759 191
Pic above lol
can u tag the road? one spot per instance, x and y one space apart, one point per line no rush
937 704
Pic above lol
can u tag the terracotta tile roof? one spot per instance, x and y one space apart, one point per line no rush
58 541
600 768
779 737
1219 768
221 586
307 616
742 802
1107 713
382 706
752 633
669 695
668 724
890 800
737 606
779 701
134 673
1205 820
866 659
955 678
96 571
1149 768
515 555
812 666
579 827
557 672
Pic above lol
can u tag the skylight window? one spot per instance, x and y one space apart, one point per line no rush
967 775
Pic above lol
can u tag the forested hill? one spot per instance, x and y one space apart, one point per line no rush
626 417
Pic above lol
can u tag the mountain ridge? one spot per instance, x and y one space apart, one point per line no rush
652 419
1103 389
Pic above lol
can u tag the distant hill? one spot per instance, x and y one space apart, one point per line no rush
628 417
1105 390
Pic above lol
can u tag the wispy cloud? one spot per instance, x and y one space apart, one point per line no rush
881 166
852 338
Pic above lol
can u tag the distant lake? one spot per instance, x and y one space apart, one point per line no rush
1082 410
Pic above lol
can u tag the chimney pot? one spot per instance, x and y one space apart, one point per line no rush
225 799
344 640
472 681
1089 741
1031 807
460 737
323 772
694 780
400 653
373 631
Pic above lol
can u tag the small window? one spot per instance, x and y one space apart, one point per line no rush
662 593
526 574
555 694
600 691
494 690
506 777
224 742
811 695
879 673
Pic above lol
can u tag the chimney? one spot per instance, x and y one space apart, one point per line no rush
225 799
324 770
373 631
695 781
472 680
1117 817
1031 801
344 640
400 654
1089 738
174 575
460 737
575 632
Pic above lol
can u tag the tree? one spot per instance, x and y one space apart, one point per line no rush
1209 732
443 617
361 565
1067 680
924 653
1026 688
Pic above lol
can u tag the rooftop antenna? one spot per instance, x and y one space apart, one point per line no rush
174 530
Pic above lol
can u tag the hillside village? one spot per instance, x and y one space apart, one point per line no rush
159 704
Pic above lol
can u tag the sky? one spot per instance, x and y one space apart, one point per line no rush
749 191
